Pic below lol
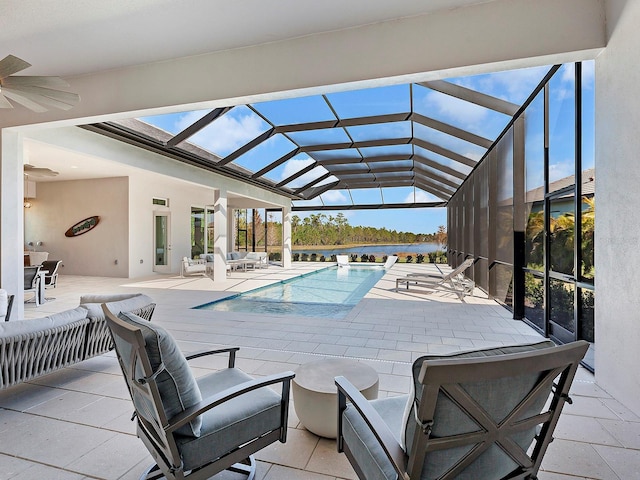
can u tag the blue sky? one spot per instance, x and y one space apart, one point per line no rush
240 125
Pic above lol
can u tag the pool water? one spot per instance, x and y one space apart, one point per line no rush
329 293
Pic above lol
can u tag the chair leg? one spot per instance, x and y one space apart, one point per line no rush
152 473
248 468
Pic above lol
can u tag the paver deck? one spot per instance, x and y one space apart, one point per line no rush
75 423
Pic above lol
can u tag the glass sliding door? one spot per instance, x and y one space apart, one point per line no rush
161 242
210 238
197 232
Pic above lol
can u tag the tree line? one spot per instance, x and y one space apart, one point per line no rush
327 230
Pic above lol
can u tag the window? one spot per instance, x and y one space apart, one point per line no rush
197 232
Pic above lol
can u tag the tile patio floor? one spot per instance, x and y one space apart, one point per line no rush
75 423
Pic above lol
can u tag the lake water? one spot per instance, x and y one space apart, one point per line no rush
372 249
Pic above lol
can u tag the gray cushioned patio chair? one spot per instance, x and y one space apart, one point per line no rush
32 282
485 414
51 277
195 428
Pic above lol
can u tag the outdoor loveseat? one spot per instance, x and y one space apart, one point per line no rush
35 347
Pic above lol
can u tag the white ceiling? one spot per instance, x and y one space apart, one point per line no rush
73 37
72 165
69 164
76 37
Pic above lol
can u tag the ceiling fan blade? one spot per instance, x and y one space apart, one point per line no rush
4 103
10 65
22 100
32 171
35 81
41 174
53 98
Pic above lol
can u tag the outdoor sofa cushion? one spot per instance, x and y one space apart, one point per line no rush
176 384
4 304
231 423
116 303
21 327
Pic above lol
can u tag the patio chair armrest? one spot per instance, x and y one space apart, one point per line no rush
231 351
386 439
229 394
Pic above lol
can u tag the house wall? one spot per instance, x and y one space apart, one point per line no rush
125 232
60 205
144 186
151 175
617 230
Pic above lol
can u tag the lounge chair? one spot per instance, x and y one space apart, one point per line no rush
444 276
478 415
259 259
390 261
454 281
195 428
343 261
192 267
238 260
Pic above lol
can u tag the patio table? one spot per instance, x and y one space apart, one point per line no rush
315 395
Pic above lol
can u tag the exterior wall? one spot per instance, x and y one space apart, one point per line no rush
182 196
60 205
618 232
151 176
125 231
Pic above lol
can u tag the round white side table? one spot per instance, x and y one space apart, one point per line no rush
315 395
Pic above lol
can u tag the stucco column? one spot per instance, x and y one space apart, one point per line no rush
12 219
286 237
231 236
220 233
617 195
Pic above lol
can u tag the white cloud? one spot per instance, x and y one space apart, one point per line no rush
511 85
568 73
307 203
474 155
294 165
187 119
327 180
456 110
588 73
420 197
334 196
561 169
228 133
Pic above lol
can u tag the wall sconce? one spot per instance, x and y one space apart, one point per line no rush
40 244
27 204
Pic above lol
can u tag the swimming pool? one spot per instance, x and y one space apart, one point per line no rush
330 293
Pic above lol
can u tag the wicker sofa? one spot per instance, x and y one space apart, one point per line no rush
31 348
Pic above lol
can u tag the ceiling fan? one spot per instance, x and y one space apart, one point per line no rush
31 171
36 93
